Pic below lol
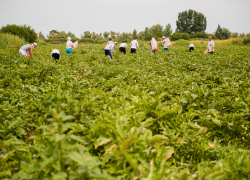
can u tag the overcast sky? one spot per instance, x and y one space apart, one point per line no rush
98 16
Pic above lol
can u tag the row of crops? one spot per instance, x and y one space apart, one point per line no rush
172 115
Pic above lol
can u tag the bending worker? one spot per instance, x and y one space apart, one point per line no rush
27 50
123 47
110 48
191 47
56 54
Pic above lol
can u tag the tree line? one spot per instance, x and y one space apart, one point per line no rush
189 25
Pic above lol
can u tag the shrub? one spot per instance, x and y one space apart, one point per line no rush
246 40
202 35
22 31
181 42
9 40
178 35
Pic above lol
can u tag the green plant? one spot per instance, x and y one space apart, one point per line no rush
22 31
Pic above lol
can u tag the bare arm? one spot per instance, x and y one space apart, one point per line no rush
31 51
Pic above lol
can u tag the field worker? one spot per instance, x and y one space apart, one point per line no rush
165 40
134 45
69 45
191 47
56 54
154 43
110 41
110 48
123 47
27 50
210 45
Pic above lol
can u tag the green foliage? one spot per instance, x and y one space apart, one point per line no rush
22 31
171 115
191 22
134 33
181 42
218 32
234 34
177 35
222 33
246 40
156 31
146 31
112 34
87 34
41 35
62 35
54 31
226 34
202 35
106 34
167 31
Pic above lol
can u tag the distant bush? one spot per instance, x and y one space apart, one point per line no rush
177 35
22 31
62 39
181 42
9 40
246 40
202 35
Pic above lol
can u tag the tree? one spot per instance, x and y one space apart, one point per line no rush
53 35
156 30
54 31
168 30
134 33
234 34
146 32
71 35
242 35
191 22
218 32
62 35
178 35
141 35
41 35
226 34
106 34
87 34
112 34
22 31
125 35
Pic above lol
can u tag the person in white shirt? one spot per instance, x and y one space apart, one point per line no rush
27 50
134 45
110 41
210 45
110 48
69 45
191 47
164 40
56 54
123 47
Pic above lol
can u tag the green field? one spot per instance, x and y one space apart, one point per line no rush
172 115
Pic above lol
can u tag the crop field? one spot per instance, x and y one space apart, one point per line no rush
170 116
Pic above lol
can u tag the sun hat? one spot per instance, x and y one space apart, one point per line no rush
69 38
35 43
115 42
163 37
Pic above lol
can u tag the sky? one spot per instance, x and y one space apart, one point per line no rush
99 16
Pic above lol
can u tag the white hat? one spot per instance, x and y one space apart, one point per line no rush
35 44
69 38
163 37
115 42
